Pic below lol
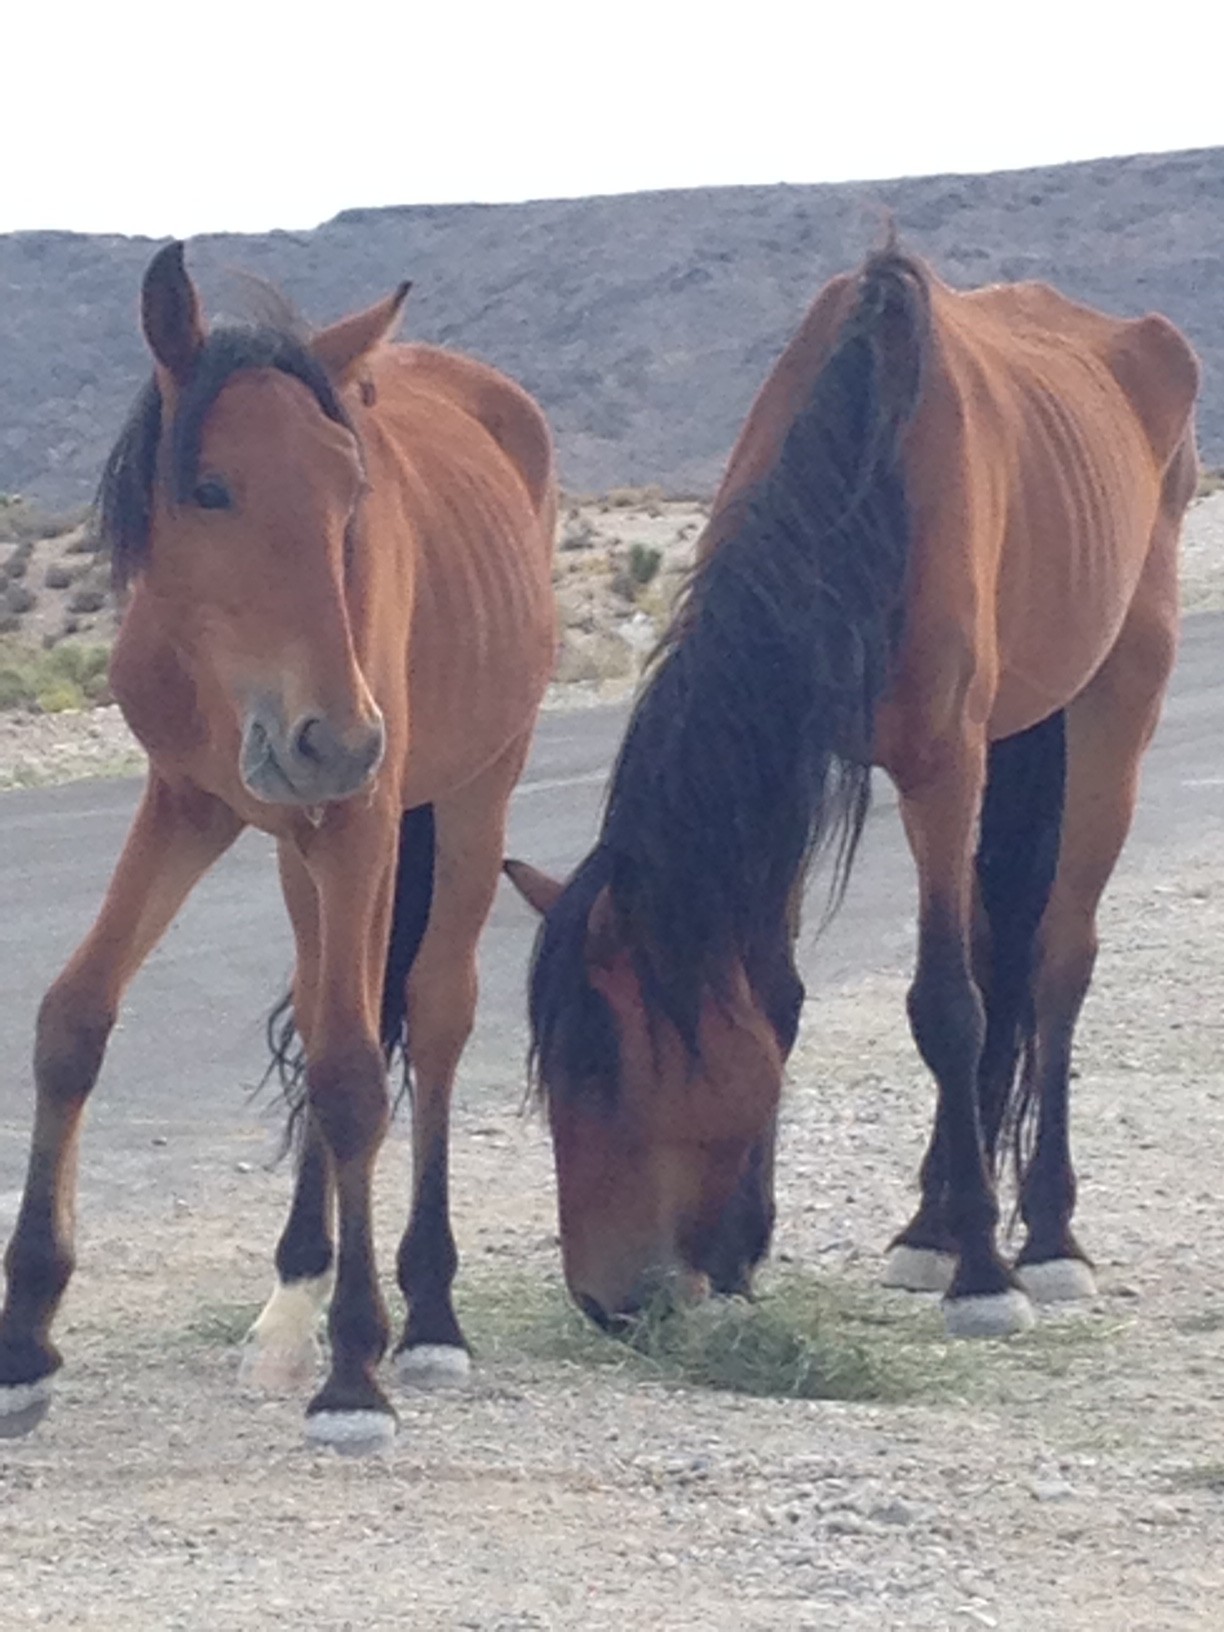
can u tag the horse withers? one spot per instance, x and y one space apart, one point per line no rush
945 545
339 629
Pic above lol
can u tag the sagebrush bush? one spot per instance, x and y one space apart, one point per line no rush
65 677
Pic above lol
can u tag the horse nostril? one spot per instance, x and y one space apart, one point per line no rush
311 741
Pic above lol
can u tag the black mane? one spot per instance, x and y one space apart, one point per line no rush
749 750
124 502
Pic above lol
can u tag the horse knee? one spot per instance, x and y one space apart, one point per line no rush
347 1090
70 1042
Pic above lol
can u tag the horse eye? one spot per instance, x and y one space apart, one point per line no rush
212 494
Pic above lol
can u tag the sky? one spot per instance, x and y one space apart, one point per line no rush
177 118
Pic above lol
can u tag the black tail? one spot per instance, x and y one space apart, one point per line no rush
414 881
1022 815
749 750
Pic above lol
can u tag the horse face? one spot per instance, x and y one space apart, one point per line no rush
664 1185
255 557
253 517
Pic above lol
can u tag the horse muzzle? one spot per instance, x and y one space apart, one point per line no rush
312 761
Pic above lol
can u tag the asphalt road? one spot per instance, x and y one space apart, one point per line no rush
191 1034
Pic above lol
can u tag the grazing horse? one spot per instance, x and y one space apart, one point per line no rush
945 545
339 630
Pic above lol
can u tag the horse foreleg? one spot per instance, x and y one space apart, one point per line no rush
948 1023
175 838
350 859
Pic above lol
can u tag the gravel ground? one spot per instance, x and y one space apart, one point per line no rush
1073 1479
1077 1483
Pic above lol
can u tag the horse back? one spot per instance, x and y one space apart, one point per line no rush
511 417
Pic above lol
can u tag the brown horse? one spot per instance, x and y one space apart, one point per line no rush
339 631
946 545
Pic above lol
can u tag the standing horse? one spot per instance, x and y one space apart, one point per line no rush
946 545
339 631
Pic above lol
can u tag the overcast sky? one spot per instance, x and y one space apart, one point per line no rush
164 116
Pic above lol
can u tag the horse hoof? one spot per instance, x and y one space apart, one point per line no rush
433 1365
277 1368
1058 1280
352 1433
23 1406
995 1314
918 1269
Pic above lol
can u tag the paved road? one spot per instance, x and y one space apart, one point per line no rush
190 1035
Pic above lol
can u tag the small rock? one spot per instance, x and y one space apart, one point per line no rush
895 1512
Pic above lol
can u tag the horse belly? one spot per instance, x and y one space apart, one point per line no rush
1062 600
483 651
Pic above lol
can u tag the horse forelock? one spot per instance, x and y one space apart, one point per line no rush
144 454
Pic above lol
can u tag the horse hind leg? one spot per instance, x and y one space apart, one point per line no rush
1108 728
281 1353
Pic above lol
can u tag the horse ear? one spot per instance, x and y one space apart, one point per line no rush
345 345
536 888
604 939
170 313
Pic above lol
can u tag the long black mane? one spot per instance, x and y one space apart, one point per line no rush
748 752
124 503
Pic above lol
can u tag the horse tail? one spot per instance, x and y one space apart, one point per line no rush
414 882
1017 858
749 751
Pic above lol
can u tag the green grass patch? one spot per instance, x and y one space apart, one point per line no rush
67 676
803 1338
220 1325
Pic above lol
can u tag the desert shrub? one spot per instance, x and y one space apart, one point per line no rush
59 575
20 598
23 521
66 676
87 598
644 563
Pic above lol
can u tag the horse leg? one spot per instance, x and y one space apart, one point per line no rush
441 1002
948 1023
1109 725
350 859
176 836
281 1352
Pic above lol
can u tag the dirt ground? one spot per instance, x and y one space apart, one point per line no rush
1072 1479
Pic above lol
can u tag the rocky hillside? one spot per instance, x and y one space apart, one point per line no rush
644 322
